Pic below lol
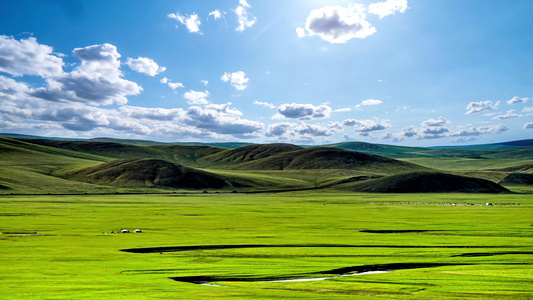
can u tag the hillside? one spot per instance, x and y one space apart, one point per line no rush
330 158
147 173
247 154
517 179
183 154
424 182
526 168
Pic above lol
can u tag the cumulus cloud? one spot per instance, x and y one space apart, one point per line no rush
337 24
196 98
219 118
269 105
477 131
237 79
216 14
366 126
475 107
432 123
244 18
204 82
389 7
408 131
509 115
312 130
304 111
528 125
28 57
300 32
527 109
148 113
98 80
516 100
278 130
369 102
172 85
145 65
192 22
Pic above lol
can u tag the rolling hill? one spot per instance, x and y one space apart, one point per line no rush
33 165
247 154
148 172
321 158
426 182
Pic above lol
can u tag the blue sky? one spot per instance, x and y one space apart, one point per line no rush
405 72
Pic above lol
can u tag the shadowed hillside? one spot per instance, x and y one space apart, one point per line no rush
148 173
424 182
527 168
248 153
517 179
182 154
330 158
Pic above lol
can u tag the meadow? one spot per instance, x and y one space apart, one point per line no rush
436 246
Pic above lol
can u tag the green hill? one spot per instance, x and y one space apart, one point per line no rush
517 179
247 154
148 173
330 158
183 154
426 182
526 168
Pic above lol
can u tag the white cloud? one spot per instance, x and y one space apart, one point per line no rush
145 65
278 130
245 20
172 85
98 80
237 79
312 130
346 109
368 125
509 115
269 105
409 131
369 102
528 125
220 119
304 111
300 32
337 24
516 100
473 131
527 109
475 107
175 85
432 123
389 7
204 82
216 14
192 22
28 57
157 114
196 98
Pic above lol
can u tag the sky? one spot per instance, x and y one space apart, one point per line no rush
401 72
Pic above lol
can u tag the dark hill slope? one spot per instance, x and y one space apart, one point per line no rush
425 182
517 179
527 168
248 153
147 173
331 158
183 154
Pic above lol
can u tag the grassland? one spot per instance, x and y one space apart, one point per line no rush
60 247
284 212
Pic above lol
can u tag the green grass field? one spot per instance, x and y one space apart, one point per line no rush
60 247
